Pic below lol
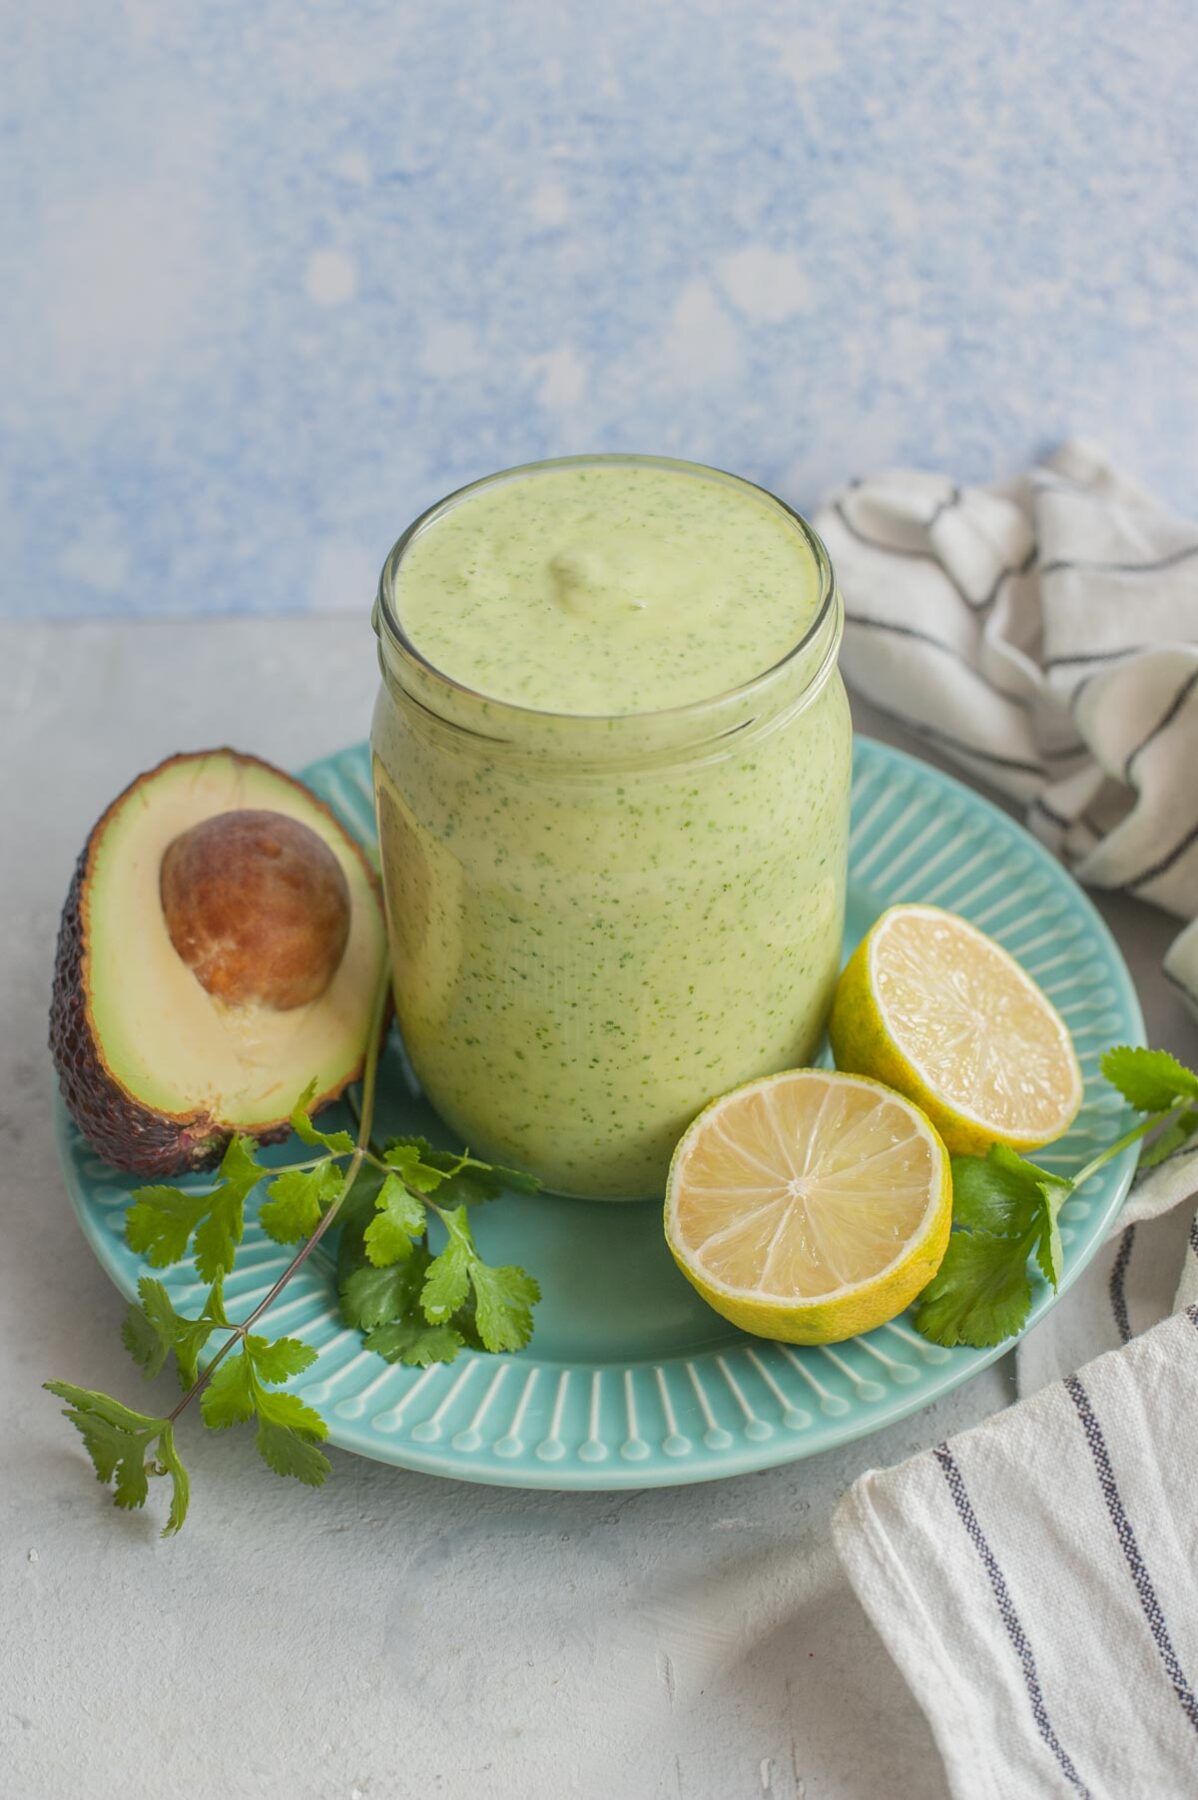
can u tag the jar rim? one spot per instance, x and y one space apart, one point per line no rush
386 617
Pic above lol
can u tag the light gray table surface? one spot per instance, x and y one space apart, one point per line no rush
391 1635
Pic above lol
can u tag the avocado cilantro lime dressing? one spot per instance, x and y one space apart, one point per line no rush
603 913
608 588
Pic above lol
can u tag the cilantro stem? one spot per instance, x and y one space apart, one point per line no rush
1130 1137
370 1069
368 1153
313 1162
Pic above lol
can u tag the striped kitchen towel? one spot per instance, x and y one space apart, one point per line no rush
1036 1581
1043 633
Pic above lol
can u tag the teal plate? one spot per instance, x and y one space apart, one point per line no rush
630 1381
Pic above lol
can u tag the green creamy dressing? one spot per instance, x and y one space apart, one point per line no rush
599 923
608 588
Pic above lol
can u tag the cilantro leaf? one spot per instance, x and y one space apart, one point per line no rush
229 1397
292 1414
193 1335
1003 1207
1173 1138
239 1166
214 1305
990 1196
417 1164
160 1222
980 1295
1014 1165
341 1143
371 1297
287 1436
503 1297
1002 1193
437 1159
447 1282
101 1406
153 1329
168 1463
288 1429
1050 1253
281 1360
399 1221
1149 1080
118 1441
415 1343
503 1302
354 1215
298 1200
453 1176
162 1219
290 1452
218 1236
146 1335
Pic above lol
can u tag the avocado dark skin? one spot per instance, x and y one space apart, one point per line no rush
126 1134
133 1136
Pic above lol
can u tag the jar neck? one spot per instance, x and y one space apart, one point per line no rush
437 705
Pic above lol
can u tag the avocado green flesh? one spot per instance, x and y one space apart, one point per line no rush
158 1035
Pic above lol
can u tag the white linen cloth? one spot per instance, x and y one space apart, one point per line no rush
1036 1581
1043 633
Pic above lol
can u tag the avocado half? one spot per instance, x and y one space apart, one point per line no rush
158 1072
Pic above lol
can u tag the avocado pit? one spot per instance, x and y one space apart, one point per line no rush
258 908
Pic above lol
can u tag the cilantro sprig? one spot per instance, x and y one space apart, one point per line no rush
416 1305
1005 1208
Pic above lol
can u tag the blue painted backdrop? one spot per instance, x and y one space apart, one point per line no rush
277 275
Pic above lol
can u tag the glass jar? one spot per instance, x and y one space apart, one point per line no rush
599 924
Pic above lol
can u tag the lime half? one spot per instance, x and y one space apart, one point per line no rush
809 1206
936 1009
